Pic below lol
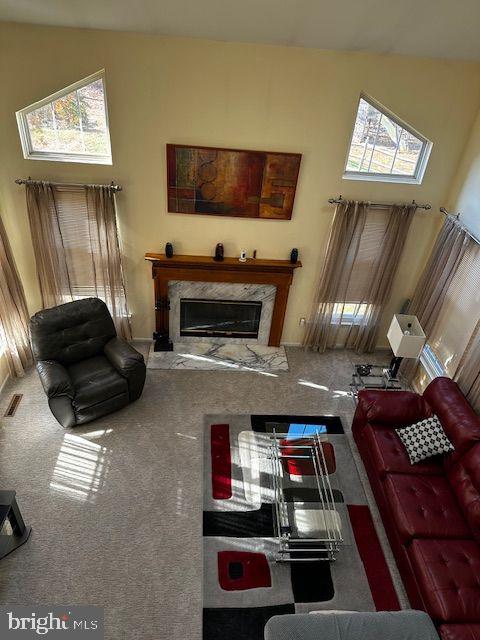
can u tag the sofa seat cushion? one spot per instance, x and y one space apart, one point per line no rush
390 456
95 380
424 507
448 574
460 631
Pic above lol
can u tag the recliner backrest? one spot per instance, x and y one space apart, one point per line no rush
71 332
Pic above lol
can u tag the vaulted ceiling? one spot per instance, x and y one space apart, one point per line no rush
433 28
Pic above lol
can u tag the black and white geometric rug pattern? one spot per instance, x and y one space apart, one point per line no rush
243 584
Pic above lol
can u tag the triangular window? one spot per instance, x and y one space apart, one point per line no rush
385 148
70 125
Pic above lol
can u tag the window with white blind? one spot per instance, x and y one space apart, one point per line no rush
72 216
77 246
460 313
358 276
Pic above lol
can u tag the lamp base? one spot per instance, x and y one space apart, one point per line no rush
394 367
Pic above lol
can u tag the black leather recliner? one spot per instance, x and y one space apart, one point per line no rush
85 369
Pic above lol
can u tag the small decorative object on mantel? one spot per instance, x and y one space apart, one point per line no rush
218 252
169 250
254 255
243 256
231 182
294 256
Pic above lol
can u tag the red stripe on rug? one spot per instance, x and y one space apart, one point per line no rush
371 554
221 461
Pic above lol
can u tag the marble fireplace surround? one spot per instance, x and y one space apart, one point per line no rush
264 293
266 275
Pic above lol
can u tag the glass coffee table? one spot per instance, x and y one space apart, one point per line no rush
301 466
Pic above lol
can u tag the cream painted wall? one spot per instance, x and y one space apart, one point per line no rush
464 195
4 373
237 95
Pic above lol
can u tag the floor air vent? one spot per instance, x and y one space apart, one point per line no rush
13 405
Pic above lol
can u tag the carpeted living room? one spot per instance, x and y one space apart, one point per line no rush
240 320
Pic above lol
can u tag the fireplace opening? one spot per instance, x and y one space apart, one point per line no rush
222 318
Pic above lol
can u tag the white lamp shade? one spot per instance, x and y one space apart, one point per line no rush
406 346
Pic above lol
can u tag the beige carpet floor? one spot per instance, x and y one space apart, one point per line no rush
116 505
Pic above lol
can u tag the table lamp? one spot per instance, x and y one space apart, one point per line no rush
406 338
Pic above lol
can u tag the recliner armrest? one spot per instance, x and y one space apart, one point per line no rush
122 356
391 407
55 379
129 363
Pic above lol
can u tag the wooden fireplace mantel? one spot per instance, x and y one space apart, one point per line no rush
205 269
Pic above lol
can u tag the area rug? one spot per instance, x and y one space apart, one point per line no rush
209 356
244 584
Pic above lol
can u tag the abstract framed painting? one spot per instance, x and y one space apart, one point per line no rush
231 182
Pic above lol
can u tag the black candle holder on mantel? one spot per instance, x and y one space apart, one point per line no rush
219 252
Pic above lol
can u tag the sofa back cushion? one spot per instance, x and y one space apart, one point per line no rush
397 408
464 478
71 332
459 420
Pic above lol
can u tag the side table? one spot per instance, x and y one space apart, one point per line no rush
10 512
373 376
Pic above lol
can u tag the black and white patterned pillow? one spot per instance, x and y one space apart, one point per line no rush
425 439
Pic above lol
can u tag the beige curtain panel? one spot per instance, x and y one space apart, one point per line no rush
13 311
77 249
468 374
51 263
363 253
342 249
385 267
448 251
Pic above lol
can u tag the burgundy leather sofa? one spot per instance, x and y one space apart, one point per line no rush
430 510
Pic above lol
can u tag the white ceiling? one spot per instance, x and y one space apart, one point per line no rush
434 28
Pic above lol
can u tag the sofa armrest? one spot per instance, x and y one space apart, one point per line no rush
391 407
129 363
55 379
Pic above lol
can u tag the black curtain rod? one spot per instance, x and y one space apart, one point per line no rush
447 213
339 200
112 185
457 217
